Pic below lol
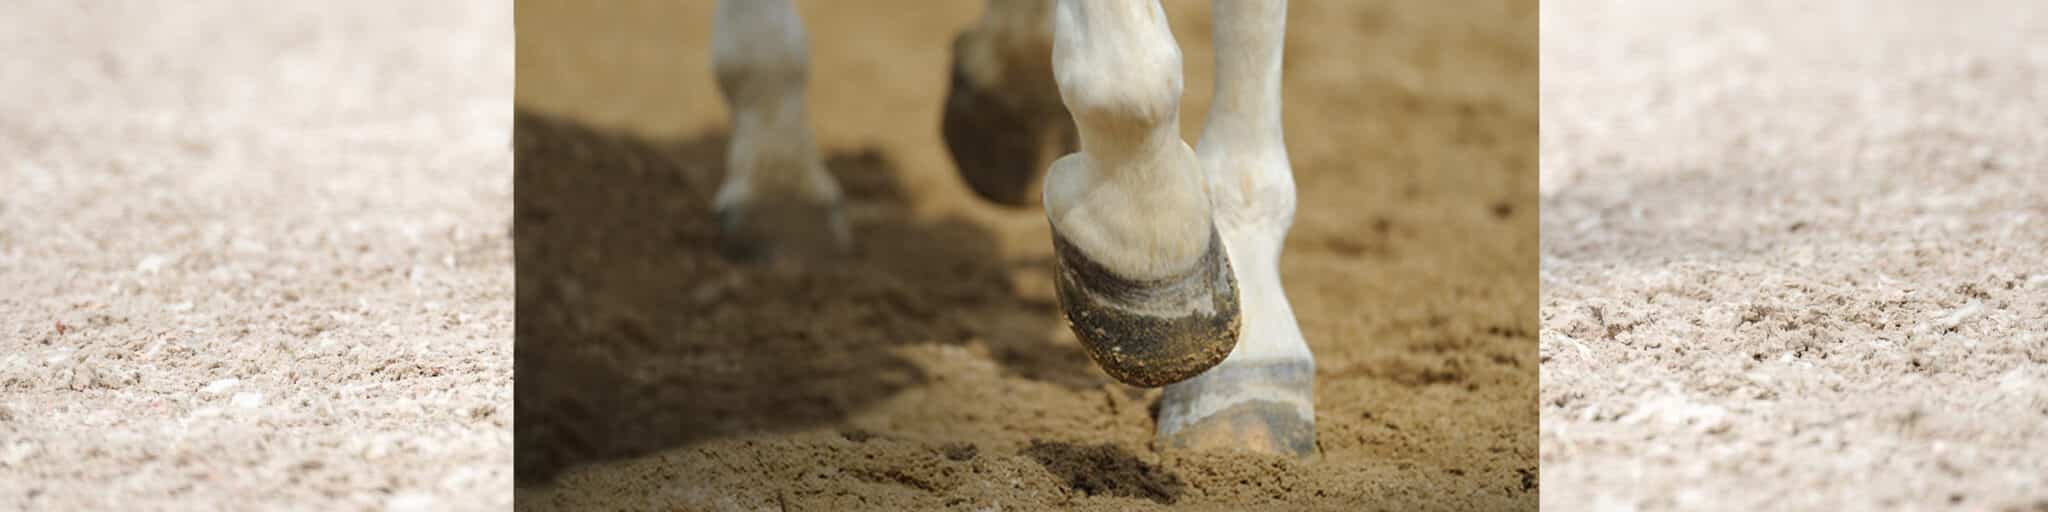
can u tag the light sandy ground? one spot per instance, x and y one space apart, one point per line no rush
255 256
1795 257
931 370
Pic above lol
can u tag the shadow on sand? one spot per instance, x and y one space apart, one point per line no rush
633 335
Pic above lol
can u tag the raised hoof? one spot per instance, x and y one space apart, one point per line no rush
1258 407
1003 141
782 233
1154 332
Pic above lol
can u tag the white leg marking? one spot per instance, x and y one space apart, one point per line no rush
1250 180
760 57
1133 199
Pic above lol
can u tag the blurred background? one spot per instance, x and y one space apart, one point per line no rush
1792 255
255 255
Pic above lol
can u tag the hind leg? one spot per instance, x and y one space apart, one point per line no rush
1004 123
777 202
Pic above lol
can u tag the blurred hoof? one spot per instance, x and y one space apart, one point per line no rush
1257 407
1003 138
800 233
1154 332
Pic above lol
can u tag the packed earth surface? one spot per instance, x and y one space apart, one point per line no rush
930 369
255 256
1795 257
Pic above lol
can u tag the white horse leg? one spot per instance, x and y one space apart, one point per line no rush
1004 123
1262 397
1142 275
777 201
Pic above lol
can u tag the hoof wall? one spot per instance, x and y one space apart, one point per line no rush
1256 407
1154 332
1257 426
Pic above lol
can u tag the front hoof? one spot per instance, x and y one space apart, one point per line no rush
1002 141
794 232
1263 407
1150 333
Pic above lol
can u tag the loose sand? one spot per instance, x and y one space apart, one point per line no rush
255 256
931 370
1795 257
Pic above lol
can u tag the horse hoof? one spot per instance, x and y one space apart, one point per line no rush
1261 407
782 232
1150 333
1003 140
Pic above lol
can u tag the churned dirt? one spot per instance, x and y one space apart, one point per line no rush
255 256
1795 257
930 370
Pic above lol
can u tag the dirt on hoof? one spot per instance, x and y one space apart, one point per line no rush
1258 425
654 374
1154 332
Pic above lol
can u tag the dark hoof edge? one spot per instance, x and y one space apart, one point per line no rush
999 141
1255 425
791 231
1155 332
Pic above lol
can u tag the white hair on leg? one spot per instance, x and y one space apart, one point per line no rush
1251 182
1133 198
776 196
1142 275
1261 397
